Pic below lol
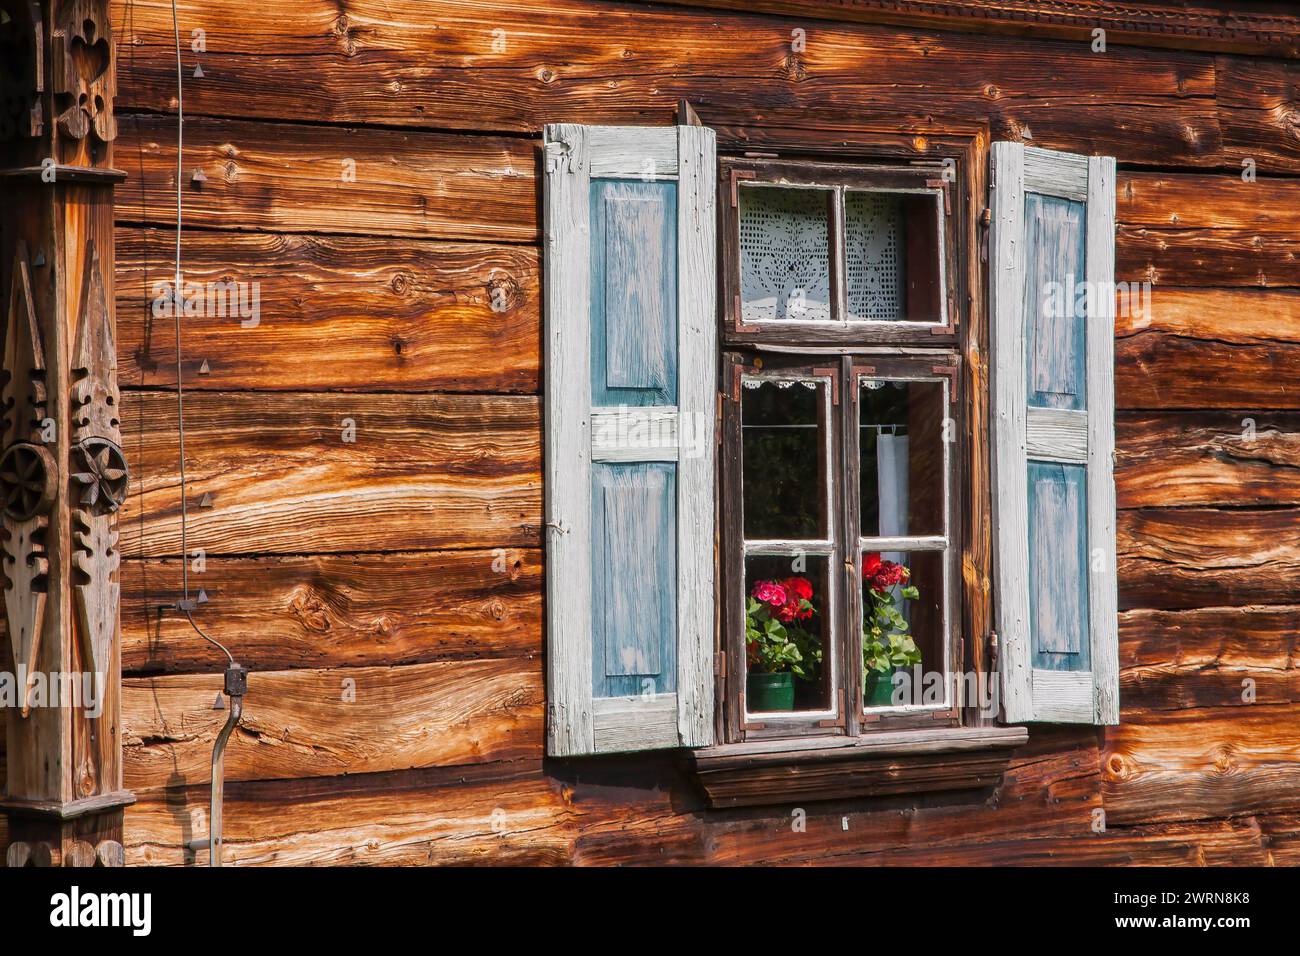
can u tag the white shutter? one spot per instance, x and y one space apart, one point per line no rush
1052 292
630 402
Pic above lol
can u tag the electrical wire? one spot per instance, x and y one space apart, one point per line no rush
176 309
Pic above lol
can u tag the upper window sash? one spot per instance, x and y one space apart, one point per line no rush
829 199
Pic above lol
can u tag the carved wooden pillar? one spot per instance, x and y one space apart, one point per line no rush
62 472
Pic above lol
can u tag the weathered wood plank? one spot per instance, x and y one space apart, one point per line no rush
316 723
517 66
1200 764
290 178
281 613
1171 459
1207 201
1207 257
392 314
1206 557
1208 657
1257 104
1155 370
280 475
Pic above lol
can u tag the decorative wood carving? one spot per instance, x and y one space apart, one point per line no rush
84 79
27 474
22 853
100 468
22 70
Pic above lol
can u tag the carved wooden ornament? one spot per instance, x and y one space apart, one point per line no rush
84 78
99 468
27 475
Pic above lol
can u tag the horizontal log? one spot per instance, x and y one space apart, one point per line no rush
393 314
1206 201
283 177
514 67
281 613
1157 370
1208 26
277 473
1208 657
317 723
1201 764
1258 108
1207 257
1204 557
509 815
1168 459
1280 837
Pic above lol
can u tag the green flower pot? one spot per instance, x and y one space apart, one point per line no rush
879 690
769 692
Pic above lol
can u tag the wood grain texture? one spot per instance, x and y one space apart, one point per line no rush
1208 557
1233 459
315 723
1251 337
567 405
322 611
437 471
434 64
334 312
1103 580
292 178
1201 763
698 409
1209 657
1191 200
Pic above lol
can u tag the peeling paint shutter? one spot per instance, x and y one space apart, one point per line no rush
1052 299
630 402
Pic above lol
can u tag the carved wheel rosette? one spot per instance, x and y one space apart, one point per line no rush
27 485
101 470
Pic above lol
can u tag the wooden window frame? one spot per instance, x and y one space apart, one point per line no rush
919 178
833 140
842 547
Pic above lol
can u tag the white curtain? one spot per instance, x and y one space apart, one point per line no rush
891 483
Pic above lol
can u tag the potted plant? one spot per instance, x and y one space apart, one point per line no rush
886 644
778 647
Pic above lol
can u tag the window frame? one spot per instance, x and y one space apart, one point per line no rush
937 143
920 177
849 715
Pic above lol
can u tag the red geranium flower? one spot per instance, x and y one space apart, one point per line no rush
769 592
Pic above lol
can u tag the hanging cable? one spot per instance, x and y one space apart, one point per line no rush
176 309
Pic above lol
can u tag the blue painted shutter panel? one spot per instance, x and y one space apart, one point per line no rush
1052 296
630 381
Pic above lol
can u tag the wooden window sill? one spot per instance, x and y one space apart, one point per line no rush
838 768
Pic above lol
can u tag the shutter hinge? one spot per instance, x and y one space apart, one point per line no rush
986 220
993 652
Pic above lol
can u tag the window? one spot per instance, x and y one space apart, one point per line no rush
839 503
799 518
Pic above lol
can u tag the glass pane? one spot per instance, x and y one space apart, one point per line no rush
891 252
901 440
903 628
784 263
783 459
788 660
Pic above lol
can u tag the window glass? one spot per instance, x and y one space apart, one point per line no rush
901 445
784 254
783 449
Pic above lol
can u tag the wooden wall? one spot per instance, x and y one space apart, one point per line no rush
387 591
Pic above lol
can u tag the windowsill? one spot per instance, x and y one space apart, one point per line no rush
839 768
